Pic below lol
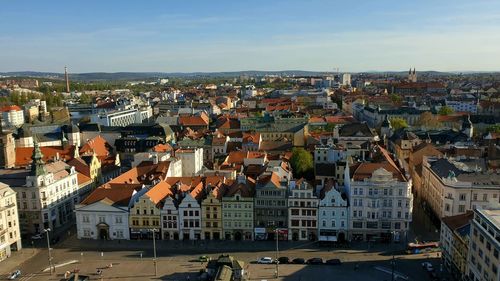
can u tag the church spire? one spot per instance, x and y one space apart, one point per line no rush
37 166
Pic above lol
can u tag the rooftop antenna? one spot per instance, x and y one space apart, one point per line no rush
67 78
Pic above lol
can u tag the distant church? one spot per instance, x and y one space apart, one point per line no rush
412 76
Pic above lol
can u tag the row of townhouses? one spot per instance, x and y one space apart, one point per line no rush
375 202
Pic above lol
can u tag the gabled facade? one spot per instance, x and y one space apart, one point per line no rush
270 207
102 220
145 212
333 215
302 212
238 210
190 218
381 203
211 214
170 220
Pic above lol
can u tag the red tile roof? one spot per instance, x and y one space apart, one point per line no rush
83 179
23 154
162 148
11 108
116 193
159 191
98 145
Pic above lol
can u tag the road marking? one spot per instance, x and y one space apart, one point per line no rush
389 271
61 264
27 277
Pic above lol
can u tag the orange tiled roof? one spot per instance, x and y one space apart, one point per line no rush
80 166
23 154
82 179
117 193
98 145
273 178
10 108
159 191
162 148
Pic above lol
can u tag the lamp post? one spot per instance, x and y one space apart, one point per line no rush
277 254
48 248
154 250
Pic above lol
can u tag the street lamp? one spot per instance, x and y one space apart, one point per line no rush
154 250
277 253
48 248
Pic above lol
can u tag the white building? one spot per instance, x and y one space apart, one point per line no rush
463 105
333 213
192 161
46 194
381 202
169 220
12 116
123 117
452 186
483 260
302 211
190 218
10 234
104 218
346 79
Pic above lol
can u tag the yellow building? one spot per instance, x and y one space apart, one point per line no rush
145 213
211 214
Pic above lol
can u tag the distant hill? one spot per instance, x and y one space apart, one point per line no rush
130 76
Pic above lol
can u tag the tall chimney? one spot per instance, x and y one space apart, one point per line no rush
67 78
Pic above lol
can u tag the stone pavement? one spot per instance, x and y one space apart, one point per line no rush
17 259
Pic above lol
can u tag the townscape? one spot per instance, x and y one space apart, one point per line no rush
337 160
250 140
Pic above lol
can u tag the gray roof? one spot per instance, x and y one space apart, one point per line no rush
356 129
443 168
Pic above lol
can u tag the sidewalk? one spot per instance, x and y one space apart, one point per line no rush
17 259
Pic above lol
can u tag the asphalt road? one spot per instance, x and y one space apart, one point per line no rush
176 261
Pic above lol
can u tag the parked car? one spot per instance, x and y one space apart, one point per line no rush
204 259
298 261
315 261
15 274
333 262
284 260
265 260
36 237
427 266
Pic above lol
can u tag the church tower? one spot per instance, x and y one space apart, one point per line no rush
412 75
386 128
37 166
467 127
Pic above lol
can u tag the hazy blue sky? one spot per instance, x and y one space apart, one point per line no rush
230 35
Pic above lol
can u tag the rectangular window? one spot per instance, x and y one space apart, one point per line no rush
357 224
461 208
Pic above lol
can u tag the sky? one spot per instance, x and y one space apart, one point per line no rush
229 35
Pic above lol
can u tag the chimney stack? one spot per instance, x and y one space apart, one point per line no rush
67 78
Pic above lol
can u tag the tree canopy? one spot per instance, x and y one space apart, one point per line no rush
398 123
493 128
445 110
429 121
302 163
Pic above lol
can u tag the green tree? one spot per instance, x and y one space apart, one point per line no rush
398 123
302 163
428 120
445 110
85 99
395 98
493 128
